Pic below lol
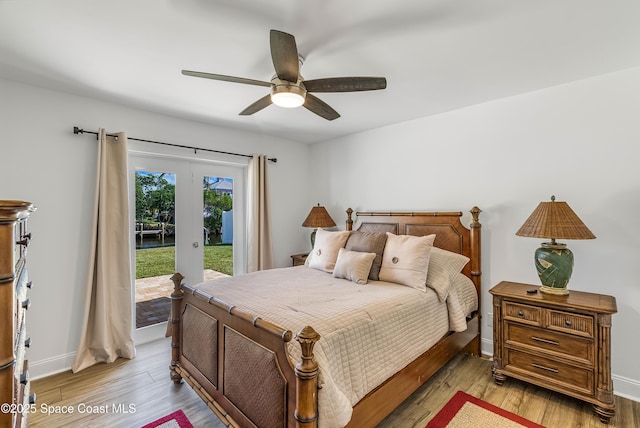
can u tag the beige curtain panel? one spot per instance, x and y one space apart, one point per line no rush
259 242
107 326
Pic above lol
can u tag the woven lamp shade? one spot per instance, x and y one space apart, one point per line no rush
318 217
555 220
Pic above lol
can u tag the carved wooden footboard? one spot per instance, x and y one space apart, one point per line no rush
245 354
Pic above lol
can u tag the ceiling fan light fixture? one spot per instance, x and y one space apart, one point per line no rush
287 99
287 94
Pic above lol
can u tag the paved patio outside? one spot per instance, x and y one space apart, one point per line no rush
153 297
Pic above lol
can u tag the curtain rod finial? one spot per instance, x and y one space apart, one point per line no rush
77 130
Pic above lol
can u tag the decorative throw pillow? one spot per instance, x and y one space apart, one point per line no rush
368 242
444 266
406 259
325 249
353 265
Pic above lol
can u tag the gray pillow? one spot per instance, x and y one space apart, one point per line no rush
368 242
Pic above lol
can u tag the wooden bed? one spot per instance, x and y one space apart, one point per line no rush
221 351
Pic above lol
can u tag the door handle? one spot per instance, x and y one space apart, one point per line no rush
196 244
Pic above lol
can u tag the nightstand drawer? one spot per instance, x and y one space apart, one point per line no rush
570 323
571 347
527 314
549 371
298 259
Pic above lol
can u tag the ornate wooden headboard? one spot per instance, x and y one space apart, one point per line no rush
450 233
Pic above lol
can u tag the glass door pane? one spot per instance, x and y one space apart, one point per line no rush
220 218
155 237
217 220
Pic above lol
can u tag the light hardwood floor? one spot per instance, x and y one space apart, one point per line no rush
100 395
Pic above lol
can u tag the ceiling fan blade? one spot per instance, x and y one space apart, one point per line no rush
345 84
257 106
284 54
319 107
226 78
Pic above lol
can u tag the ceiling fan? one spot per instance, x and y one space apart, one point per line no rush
288 88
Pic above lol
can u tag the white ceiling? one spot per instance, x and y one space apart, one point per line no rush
437 55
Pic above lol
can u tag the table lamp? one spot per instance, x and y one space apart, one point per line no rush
553 260
318 217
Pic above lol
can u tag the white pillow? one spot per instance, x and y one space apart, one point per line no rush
444 266
325 249
405 260
353 265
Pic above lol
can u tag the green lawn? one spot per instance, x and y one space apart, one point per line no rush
161 261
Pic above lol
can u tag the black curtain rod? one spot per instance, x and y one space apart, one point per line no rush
77 130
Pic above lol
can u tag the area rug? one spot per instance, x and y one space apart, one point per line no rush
176 419
464 411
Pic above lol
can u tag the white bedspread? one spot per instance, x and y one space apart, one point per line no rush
368 332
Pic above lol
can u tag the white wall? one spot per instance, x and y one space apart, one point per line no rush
580 142
43 162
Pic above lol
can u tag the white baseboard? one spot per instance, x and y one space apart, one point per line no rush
626 388
622 386
51 366
62 363
486 346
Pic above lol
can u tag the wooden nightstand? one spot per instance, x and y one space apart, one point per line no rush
298 259
558 342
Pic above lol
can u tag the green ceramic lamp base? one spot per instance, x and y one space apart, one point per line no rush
554 263
313 238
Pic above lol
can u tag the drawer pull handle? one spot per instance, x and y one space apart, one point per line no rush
32 398
520 313
549 369
539 339
568 323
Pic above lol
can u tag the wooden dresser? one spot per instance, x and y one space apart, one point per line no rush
15 396
557 342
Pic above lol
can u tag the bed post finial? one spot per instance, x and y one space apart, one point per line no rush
173 328
349 219
475 213
306 371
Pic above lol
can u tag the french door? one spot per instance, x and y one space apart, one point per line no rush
189 218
